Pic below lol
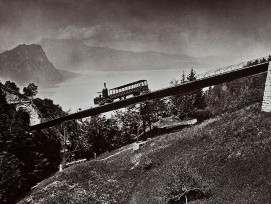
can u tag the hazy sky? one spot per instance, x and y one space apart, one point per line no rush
194 27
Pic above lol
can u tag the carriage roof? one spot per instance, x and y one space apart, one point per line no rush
130 84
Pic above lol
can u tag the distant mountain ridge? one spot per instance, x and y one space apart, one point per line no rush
73 54
28 63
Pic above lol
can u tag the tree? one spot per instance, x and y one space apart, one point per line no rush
158 107
196 98
190 97
99 134
178 103
128 121
191 76
48 109
3 102
11 178
183 78
31 90
174 82
199 99
12 86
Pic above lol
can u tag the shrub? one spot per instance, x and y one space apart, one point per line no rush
184 184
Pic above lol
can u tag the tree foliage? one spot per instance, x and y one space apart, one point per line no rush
48 109
98 135
187 105
30 90
12 85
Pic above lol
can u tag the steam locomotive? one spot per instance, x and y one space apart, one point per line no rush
108 96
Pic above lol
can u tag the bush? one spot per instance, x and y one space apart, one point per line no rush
201 114
184 183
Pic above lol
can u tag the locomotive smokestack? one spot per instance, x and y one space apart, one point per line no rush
104 85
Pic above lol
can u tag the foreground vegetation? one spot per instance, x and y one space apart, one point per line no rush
25 158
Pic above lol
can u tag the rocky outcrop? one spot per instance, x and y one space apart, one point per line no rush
22 102
33 112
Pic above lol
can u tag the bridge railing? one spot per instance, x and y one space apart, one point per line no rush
234 67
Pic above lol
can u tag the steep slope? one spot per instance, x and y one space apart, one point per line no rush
75 55
223 160
28 63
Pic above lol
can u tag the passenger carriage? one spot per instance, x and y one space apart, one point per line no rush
135 89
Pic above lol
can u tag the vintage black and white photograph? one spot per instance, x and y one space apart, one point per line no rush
135 102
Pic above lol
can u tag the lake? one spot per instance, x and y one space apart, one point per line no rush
79 92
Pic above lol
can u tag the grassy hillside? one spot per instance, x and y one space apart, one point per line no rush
223 160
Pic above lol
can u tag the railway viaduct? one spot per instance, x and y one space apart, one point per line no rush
210 78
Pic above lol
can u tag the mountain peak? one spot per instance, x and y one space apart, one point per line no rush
24 51
28 63
33 47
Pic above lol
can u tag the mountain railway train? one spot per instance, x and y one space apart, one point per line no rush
108 96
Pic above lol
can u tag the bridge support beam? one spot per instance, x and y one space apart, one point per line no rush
64 147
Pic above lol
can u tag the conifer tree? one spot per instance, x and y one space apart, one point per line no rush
183 78
191 76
